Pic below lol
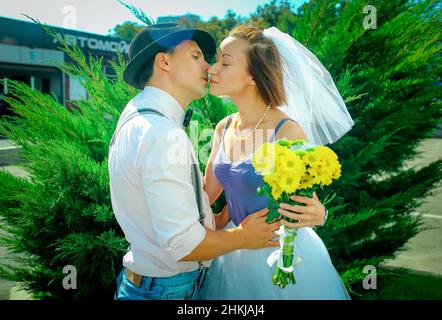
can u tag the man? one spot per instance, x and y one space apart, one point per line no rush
171 239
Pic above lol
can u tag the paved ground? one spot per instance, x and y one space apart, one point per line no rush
11 290
423 252
7 153
5 286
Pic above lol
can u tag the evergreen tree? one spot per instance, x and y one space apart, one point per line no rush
63 215
270 14
220 28
388 76
127 30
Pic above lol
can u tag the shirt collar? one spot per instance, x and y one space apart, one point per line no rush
162 101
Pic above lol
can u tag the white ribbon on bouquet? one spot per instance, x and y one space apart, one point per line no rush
278 256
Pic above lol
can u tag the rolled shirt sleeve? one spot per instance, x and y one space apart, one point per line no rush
164 163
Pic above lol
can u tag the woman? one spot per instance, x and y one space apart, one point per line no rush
256 69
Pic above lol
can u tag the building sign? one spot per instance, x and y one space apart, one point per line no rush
31 35
91 43
28 53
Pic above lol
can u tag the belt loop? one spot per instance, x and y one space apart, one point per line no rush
148 282
202 277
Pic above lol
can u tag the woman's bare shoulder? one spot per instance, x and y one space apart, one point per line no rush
221 125
290 129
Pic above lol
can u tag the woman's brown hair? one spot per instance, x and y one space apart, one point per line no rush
264 64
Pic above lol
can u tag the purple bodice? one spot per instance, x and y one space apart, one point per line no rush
240 182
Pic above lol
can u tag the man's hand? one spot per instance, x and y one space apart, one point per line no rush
257 233
252 233
310 215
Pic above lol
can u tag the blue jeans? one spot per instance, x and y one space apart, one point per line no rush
183 286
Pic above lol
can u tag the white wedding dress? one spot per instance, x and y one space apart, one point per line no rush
245 274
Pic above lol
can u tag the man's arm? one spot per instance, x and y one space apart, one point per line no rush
165 170
252 233
216 243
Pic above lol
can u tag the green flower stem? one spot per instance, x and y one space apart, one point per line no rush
281 278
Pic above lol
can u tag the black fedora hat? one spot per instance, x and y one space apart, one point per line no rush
163 37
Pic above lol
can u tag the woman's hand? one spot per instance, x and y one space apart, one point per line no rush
310 215
222 219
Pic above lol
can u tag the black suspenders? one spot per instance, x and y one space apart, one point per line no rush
195 175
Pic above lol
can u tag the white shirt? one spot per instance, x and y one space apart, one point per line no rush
151 187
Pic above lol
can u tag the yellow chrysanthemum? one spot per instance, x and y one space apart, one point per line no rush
323 165
306 182
264 159
270 180
312 157
289 183
337 172
276 192
288 170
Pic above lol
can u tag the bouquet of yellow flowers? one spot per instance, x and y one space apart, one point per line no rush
288 168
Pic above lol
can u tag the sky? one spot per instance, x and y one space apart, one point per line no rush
98 16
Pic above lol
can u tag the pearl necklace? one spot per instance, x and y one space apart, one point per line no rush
256 127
